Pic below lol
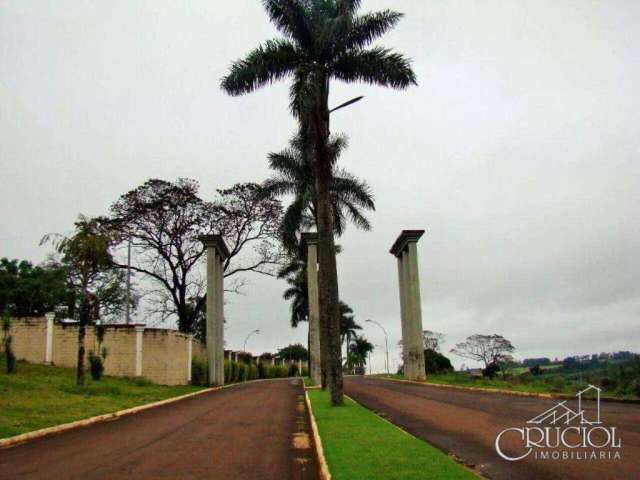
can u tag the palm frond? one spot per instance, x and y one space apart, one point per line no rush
366 28
272 61
378 65
291 18
348 187
276 187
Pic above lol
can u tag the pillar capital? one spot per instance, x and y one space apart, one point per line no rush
309 238
217 242
405 237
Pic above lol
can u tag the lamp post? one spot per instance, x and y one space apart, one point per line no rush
386 344
244 348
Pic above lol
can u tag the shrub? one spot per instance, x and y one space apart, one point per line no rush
6 343
491 370
262 370
95 366
535 370
227 371
293 370
435 362
633 388
557 383
199 373
608 383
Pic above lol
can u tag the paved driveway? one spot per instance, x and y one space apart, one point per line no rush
249 431
466 423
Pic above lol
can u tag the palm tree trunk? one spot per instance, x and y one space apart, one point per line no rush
328 274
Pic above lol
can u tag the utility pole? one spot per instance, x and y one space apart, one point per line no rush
127 307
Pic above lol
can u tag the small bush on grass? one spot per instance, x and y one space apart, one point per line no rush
7 339
199 373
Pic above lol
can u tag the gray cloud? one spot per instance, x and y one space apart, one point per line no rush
518 153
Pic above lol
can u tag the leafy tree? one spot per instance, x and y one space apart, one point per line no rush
293 352
432 340
165 220
295 176
323 40
359 349
90 272
435 362
28 290
488 349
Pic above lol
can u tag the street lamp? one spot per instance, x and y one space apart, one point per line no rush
244 349
346 104
386 344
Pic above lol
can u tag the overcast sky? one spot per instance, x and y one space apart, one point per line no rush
518 153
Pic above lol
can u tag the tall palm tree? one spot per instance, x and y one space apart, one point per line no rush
350 196
358 351
323 40
296 293
348 328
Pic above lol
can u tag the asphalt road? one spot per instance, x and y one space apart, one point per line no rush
257 430
465 424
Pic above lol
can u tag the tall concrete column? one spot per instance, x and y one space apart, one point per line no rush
217 253
405 250
310 242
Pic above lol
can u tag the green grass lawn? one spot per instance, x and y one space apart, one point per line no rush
542 384
40 396
358 444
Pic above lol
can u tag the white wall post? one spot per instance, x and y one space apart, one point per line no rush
139 339
189 356
48 350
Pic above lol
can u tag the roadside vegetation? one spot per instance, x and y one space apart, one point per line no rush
40 396
618 378
617 373
359 444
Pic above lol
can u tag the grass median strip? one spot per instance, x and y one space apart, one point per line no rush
358 444
40 396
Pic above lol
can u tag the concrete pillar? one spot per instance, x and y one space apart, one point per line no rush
48 350
139 338
310 240
403 306
405 250
189 356
217 253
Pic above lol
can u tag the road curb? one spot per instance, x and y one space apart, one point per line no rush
45 432
325 474
549 396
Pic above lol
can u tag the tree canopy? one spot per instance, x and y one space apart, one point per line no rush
30 290
164 221
488 349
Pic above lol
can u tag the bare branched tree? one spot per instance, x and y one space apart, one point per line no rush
488 349
164 221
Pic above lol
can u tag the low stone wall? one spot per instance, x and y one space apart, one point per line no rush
159 355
